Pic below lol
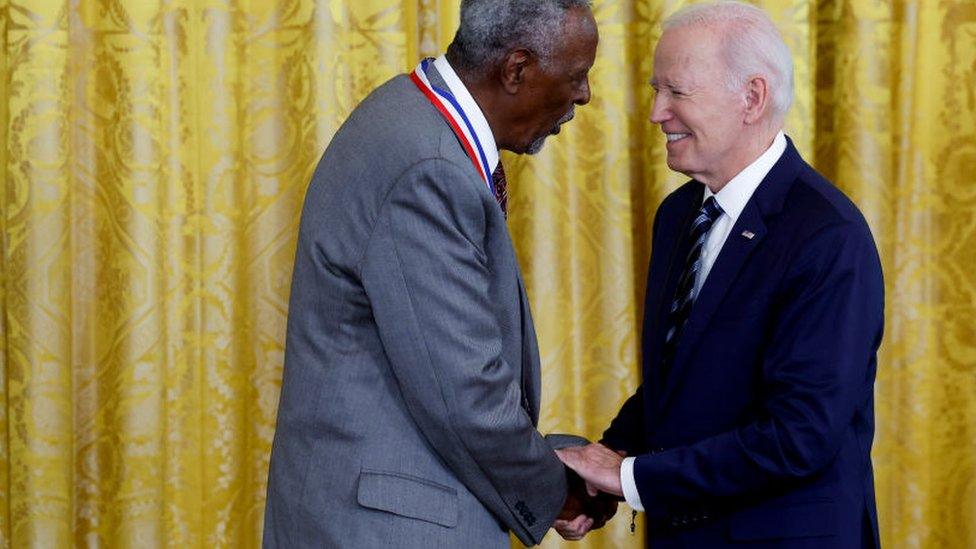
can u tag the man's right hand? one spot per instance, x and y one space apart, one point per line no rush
598 465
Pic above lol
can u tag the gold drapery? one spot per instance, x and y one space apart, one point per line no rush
154 159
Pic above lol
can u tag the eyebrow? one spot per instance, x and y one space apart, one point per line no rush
670 84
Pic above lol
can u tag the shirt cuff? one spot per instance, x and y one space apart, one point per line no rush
629 485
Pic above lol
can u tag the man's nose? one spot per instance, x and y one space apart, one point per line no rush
584 94
660 111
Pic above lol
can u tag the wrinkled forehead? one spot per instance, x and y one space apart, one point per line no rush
689 49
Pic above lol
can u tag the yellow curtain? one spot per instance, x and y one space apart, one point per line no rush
155 155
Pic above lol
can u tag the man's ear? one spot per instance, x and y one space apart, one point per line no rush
757 99
513 67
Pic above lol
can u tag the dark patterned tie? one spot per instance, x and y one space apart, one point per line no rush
499 183
684 294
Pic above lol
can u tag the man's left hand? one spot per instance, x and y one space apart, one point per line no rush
573 530
582 513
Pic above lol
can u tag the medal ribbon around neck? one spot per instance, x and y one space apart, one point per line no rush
454 115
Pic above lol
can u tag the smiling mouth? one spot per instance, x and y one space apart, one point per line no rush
672 137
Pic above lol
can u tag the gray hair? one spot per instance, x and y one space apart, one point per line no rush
751 45
491 28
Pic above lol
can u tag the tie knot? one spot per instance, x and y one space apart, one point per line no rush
499 185
499 173
707 215
711 209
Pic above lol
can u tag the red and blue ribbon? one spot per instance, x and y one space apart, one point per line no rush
451 110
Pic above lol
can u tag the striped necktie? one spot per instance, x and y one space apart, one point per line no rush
499 184
684 294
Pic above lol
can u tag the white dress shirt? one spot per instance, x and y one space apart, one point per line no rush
732 198
471 109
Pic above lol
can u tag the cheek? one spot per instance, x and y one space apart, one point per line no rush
726 118
691 118
718 127
551 112
559 101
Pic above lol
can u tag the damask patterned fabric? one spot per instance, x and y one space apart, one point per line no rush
155 155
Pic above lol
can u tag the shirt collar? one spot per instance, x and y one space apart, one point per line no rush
471 109
737 192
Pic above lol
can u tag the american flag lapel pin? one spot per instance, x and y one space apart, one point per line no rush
748 234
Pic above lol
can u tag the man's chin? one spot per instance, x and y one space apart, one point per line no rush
682 168
674 162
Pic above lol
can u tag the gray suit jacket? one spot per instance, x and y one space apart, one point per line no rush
411 380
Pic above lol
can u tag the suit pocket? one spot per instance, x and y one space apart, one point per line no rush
794 520
408 496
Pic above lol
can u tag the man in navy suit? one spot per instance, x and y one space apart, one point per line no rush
763 317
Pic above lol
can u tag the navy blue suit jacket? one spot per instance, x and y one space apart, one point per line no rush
761 432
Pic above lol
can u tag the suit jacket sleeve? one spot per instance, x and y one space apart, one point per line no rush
817 371
626 431
427 277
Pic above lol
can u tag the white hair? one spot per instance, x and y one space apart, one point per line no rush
489 28
751 45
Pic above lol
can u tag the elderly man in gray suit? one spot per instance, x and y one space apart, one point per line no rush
411 381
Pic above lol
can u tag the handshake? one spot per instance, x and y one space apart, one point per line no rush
594 485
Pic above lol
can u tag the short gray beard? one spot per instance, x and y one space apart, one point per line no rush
536 146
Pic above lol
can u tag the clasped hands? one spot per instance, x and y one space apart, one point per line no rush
594 489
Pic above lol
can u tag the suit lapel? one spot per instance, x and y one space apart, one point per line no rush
662 278
767 200
730 260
